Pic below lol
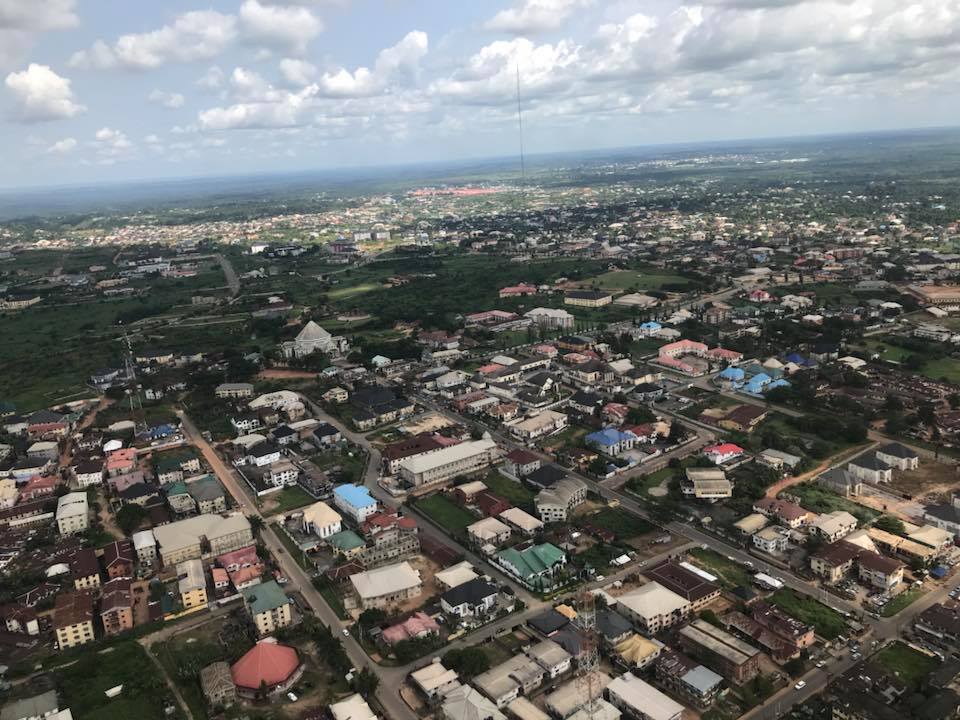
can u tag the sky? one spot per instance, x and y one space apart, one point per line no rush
112 90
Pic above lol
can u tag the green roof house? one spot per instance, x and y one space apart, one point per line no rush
536 566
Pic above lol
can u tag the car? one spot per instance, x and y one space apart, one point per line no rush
821 664
291 697
800 685
346 632
600 578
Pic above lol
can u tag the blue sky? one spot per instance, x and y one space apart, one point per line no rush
106 90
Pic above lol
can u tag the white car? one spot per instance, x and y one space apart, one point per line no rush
821 664
346 632
800 685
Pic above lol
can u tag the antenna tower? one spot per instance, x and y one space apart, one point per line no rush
588 679
133 390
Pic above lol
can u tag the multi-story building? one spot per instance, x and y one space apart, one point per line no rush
202 536
554 504
734 659
444 465
116 606
72 513
192 584
691 586
234 391
587 298
73 618
386 586
355 501
653 607
321 520
269 607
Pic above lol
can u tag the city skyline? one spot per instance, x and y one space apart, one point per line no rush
95 93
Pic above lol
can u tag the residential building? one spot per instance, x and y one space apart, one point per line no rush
778 459
85 569
612 441
587 298
723 453
898 456
784 512
417 626
834 525
841 481
734 659
692 586
202 536
535 566
72 513
434 680
637 652
192 584
642 701
833 562
519 463
771 540
551 318
444 465
386 586
544 423
688 679
355 501
321 520
551 657
88 472
234 391
145 546
490 531
870 468
653 607
116 606
505 682
73 618
521 521
268 605
472 598
466 703
879 571
554 504
208 495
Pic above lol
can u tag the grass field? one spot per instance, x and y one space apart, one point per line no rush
828 623
944 368
625 525
732 574
902 601
345 293
910 665
82 685
820 500
515 493
446 513
637 279
288 499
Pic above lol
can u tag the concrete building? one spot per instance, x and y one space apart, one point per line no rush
321 520
72 513
444 465
653 607
555 503
216 682
642 701
191 583
834 526
355 501
73 618
771 540
268 605
719 650
202 536
898 456
386 586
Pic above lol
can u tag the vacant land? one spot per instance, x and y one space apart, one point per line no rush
515 493
83 684
820 500
731 573
446 513
623 524
828 623
288 499
909 664
929 477
901 601
637 280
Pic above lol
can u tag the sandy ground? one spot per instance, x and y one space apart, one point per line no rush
279 374
930 478
909 510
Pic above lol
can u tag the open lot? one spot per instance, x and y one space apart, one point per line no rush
909 664
902 601
144 696
637 280
623 524
929 477
820 500
290 498
731 573
829 623
446 513
515 493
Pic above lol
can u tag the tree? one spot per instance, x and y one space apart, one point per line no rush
890 524
640 415
129 517
366 682
711 617
256 523
467 662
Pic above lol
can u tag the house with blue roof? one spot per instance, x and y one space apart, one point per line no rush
731 378
650 328
612 441
355 501
777 384
756 384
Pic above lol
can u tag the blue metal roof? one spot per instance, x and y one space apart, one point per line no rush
356 495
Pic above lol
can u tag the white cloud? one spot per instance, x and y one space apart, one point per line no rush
195 35
62 147
37 15
152 139
274 26
211 79
111 145
297 72
42 95
274 109
391 64
169 100
530 17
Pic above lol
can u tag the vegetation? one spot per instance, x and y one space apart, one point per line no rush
820 500
901 601
731 574
623 524
827 622
467 662
446 513
908 664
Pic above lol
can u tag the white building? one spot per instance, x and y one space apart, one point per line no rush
540 425
386 586
654 607
643 701
72 513
321 520
551 318
313 338
835 525
489 530
771 540
443 465
555 503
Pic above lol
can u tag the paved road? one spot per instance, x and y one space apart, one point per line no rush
387 694
233 282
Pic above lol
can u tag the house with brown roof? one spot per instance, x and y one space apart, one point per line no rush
73 618
879 571
116 606
85 569
696 590
743 418
118 559
834 561
784 512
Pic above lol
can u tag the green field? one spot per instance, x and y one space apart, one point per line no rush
517 494
901 601
731 573
828 623
820 500
910 665
623 524
290 498
637 280
942 369
83 683
446 513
